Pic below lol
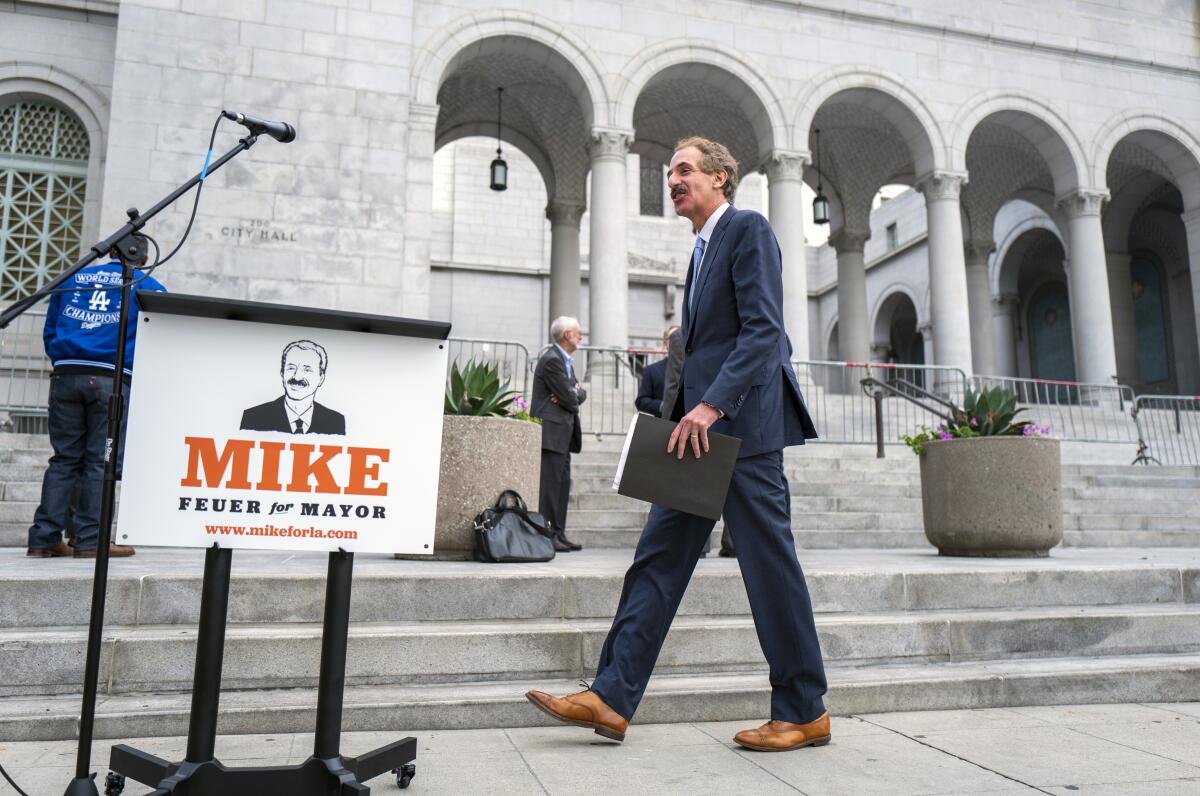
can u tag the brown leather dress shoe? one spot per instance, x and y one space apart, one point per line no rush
114 551
59 550
584 709
781 736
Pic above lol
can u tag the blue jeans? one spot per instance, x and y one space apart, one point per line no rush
78 430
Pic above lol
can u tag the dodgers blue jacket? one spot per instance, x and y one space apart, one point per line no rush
80 334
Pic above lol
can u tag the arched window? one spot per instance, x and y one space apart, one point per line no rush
43 177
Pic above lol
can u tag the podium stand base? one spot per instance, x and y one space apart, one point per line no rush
314 777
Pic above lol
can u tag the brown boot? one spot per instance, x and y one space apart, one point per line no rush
114 551
584 709
58 550
780 736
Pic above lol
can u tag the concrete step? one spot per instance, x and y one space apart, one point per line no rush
1133 504
1134 481
669 698
802 520
21 490
1129 470
10 472
24 442
1148 495
162 658
15 534
1131 522
17 511
162 587
615 538
1117 538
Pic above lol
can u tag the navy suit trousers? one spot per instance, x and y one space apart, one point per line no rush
758 512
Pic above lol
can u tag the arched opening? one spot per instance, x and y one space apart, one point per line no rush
44 152
1154 317
487 243
896 337
872 148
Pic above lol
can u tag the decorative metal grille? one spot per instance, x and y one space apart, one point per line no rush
43 177
651 188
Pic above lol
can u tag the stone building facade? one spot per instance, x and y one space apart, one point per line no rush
1051 229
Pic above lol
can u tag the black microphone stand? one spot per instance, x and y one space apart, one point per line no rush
126 245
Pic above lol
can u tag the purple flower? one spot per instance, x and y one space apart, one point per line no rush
974 422
947 436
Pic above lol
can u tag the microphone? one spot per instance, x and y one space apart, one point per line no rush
281 131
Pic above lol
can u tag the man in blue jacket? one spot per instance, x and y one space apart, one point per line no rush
736 379
80 337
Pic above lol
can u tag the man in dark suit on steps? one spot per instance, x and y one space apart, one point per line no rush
302 369
654 376
556 399
736 379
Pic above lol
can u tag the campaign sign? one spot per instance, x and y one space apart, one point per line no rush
282 436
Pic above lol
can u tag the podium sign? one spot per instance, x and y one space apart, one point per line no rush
259 426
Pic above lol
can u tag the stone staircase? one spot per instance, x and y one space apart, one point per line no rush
1111 616
456 644
844 497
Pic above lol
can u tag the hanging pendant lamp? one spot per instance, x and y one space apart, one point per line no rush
499 169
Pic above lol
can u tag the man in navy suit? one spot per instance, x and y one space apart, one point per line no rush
737 379
654 376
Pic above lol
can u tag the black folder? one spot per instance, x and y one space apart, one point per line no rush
696 486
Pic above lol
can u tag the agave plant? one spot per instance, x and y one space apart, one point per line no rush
476 389
991 412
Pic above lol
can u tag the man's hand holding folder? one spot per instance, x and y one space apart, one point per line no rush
653 467
693 428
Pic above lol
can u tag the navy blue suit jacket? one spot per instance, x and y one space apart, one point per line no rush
650 391
737 354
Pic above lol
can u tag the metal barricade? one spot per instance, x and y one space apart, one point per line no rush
843 412
1074 412
1168 428
25 373
612 377
511 359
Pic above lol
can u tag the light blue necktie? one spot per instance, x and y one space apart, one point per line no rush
697 258
570 369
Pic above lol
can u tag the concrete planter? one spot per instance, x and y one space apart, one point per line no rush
481 457
992 496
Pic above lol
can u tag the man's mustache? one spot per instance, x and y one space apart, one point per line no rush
678 190
294 382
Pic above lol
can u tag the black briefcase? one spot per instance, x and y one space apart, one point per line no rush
509 532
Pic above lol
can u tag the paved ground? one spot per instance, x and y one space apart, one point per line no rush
1089 749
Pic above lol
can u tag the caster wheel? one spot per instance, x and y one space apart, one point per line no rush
114 784
405 774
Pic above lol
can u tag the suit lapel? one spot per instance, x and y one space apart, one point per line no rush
711 252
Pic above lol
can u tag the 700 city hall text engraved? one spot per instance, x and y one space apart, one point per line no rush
257 230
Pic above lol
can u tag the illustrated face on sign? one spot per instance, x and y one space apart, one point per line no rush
302 373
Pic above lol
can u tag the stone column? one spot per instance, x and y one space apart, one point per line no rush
948 299
854 336
564 257
785 172
926 330
1189 382
608 260
410 293
1004 325
1087 285
1120 289
979 293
